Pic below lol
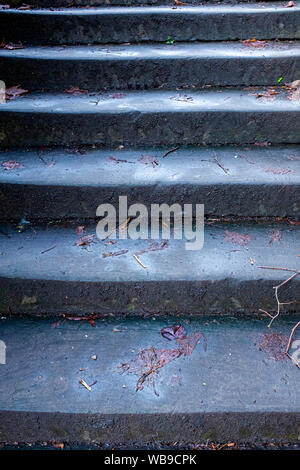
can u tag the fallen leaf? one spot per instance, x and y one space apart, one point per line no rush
147 364
117 96
11 46
294 222
188 344
173 332
274 345
11 165
181 97
80 229
15 92
278 171
24 6
262 144
241 239
75 91
58 445
178 2
270 94
86 240
148 160
254 43
118 160
276 236
115 253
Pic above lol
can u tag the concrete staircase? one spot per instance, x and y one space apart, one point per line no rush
152 78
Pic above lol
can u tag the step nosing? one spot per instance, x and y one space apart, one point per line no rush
189 51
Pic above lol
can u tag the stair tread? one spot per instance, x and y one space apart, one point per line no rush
215 261
153 9
231 387
213 100
243 165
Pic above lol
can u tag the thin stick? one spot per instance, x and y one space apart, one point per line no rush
170 151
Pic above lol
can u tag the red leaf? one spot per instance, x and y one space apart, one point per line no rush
15 92
11 165
80 229
276 236
148 159
86 240
254 43
237 238
75 91
117 96
173 332
188 344
278 171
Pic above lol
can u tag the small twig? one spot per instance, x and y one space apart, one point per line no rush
279 304
48 249
5 234
170 151
139 261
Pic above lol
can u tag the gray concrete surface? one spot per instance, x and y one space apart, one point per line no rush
218 278
231 392
117 67
251 181
206 22
150 118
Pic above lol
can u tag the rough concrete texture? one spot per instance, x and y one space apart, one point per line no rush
118 24
117 67
43 271
232 392
251 181
150 118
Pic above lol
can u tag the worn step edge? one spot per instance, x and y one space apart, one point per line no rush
228 181
120 3
43 271
117 67
136 24
210 394
150 119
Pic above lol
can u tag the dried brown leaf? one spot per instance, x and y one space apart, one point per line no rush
11 165
75 91
86 240
15 92
173 332
241 239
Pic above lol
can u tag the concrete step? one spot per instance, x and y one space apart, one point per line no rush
123 3
45 271
204 22
232 392
218 116
245 182
119 67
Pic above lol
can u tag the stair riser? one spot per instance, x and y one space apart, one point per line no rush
169 73
148 128
143 428
57 202
136 26
220 296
